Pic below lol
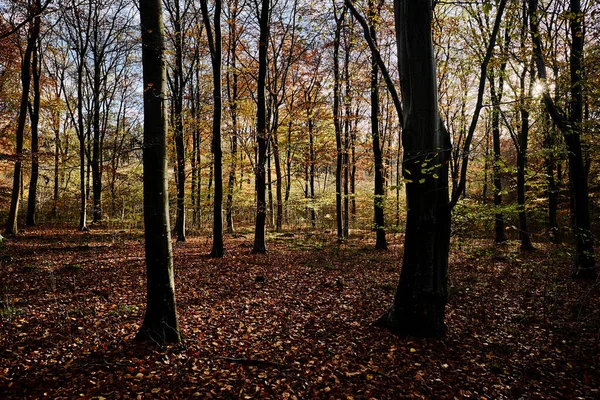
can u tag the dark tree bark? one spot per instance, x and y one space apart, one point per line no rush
496 97
585 262
11 224
177 88
34 117
346 138
338 124
420 299
522 139
379 195
232 90
215 45
261 133
80 25
160 321
551 186
96 156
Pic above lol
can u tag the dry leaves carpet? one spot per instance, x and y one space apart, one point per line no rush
293 323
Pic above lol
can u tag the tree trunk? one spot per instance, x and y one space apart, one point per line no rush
500 234
311 174
551 186
215 45
338 126
379 195
261 133
160 321
34 116
232 90
420 299
178 129
96 156
585 263
346 137
11 224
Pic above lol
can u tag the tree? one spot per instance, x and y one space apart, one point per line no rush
262 137
585 263
177 85
337 121
379 195
420 299
79 26
32 37
232 78
215 46
34 117
160 321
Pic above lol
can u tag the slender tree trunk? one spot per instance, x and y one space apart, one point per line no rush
261 133
160 320
585 262
338 125
215 44
11 224
278 184
232 90
346 138
34 116
56 115
271 214
551 187
177 109
420 299
311 169
500 236
194 155
96 156
379 195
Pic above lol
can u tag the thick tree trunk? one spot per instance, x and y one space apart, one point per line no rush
160 321
420 299
261 134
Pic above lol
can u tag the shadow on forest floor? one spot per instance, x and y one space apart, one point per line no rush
295 322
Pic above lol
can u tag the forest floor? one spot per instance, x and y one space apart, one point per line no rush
293 323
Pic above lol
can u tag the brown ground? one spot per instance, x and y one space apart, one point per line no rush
71 303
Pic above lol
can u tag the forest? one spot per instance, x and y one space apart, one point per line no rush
344 199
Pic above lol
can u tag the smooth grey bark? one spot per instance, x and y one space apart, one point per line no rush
160 321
